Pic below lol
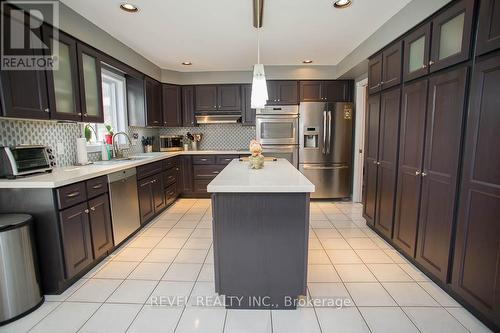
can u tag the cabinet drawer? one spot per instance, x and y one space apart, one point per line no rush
169 177
170 163
206 171
149 169
225 159
71 195
171 194
96 186
204 159
200 186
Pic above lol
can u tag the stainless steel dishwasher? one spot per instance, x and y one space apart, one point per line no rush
124 204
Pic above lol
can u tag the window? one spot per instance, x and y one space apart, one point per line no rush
114 107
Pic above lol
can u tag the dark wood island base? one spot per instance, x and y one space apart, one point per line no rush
260 248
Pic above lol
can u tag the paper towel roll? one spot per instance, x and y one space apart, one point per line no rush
81 151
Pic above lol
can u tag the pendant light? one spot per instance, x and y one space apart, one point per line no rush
259 86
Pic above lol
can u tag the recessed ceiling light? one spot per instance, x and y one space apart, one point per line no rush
342 3
187 63
128 7
307 61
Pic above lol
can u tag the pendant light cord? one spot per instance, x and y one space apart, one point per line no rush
258 32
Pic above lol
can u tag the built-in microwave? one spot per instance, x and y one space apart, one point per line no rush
171 142
277 129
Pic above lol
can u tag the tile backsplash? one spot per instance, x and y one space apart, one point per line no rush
50 133
217 136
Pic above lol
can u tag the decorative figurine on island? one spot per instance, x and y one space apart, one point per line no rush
257 159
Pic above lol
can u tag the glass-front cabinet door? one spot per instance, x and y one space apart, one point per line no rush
62 81
89 68
451 35
416 53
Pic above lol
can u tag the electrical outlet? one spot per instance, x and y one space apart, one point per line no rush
60 148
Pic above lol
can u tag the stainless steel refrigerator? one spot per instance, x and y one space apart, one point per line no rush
325 147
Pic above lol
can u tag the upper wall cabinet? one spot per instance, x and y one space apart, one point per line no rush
188 118
226 97
247 114
136 104
326 91
62 83
23 92
450 44
89 68
153 102
416 53
488 36
451 35
172 111
282 92
384 70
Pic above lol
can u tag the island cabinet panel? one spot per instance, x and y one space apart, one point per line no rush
260 247
76 239
387 161
411 150
100 225
446 105
476 261
371 158
488 36
23 92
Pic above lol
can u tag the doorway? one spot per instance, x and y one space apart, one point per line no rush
359 140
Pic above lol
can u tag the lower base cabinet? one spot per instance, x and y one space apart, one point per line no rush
100 225
151 197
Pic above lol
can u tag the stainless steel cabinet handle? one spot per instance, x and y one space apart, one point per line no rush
215 172
424 174
308 167
47 110
73 194
96 187
203 159
92 209
79 114
85 114
329 132
378 163
431 63
374 162
417 173
324 132
86 211
424 66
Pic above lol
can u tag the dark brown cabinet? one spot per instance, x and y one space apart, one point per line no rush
23 92
477 245
371 158
89 74
146 200
247 114
154 114
451 35
158 193
488 36
76 238
326 91
384 69
416 52
226 97
411 150
446 103
188 116
172 109
282 92
186 174
136 101
62 84
100 225
387 160
375 73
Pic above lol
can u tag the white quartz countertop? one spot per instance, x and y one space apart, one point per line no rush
72 174
279 177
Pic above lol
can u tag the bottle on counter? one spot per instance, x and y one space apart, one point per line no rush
104 151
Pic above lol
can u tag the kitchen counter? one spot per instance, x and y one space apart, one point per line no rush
72 174
275 177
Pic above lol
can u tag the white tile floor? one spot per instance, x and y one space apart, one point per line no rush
172 256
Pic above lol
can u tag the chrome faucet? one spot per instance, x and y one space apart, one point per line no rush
116 146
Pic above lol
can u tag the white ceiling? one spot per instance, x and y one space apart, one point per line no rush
218 35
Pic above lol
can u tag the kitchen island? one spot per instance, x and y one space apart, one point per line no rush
260 230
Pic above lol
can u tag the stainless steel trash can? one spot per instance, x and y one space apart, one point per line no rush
20 291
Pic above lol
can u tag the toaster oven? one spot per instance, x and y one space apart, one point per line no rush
24 160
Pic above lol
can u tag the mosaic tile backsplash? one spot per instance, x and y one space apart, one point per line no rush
50 133
217 136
